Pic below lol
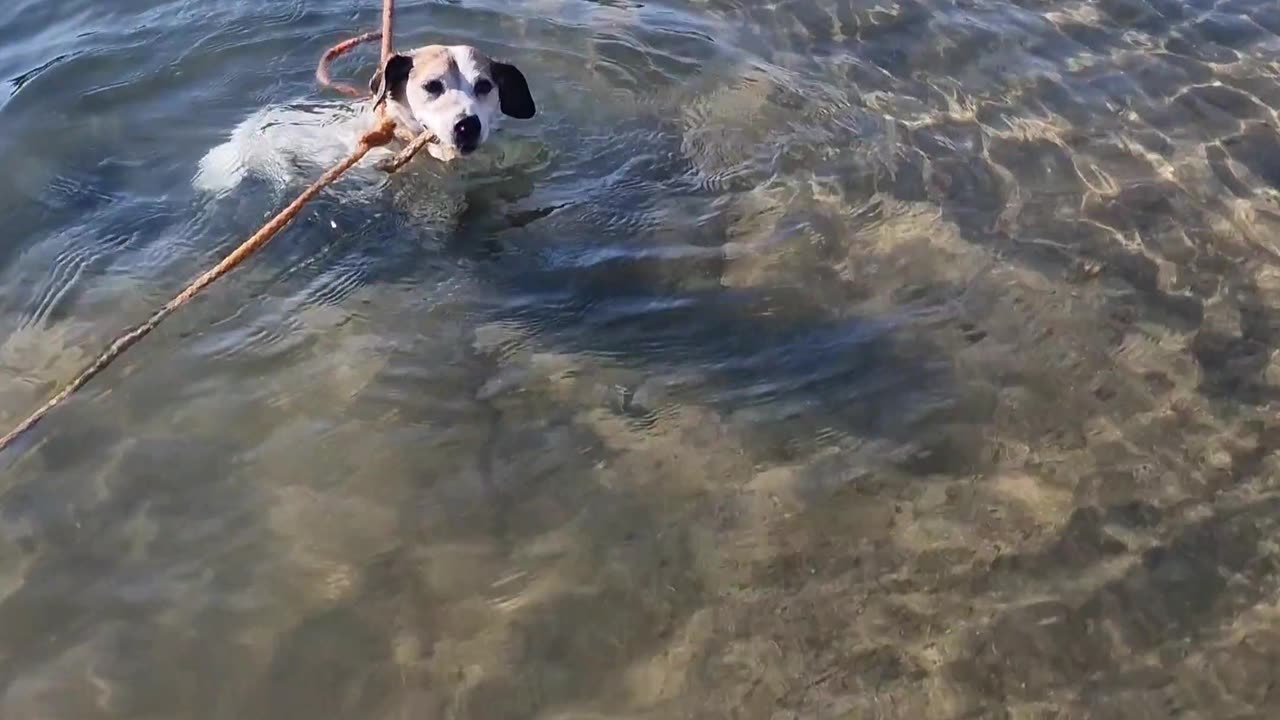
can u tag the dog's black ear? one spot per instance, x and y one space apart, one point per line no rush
513 91
392 79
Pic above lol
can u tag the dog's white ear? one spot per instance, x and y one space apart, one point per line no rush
513 91
391 79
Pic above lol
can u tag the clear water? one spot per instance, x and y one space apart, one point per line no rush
812 359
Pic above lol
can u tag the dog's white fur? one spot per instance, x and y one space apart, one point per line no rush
287 145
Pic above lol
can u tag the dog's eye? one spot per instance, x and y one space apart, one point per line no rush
435 87
483 87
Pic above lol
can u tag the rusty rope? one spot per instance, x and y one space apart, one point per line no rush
415 143
342 48
380 135
322 69
404 156
388 24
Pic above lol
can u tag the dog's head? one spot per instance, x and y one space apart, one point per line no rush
454 91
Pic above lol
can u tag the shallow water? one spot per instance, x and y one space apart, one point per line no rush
811 359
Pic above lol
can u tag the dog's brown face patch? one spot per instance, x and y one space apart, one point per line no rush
434 62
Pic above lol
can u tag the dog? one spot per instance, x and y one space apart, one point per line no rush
455 92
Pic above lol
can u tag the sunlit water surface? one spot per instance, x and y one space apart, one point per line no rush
804 359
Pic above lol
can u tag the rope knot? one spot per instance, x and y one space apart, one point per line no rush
380 134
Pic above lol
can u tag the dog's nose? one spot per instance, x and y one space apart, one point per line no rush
467 132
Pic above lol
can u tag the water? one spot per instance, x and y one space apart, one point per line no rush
811 359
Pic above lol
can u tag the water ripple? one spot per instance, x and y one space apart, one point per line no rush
925 338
